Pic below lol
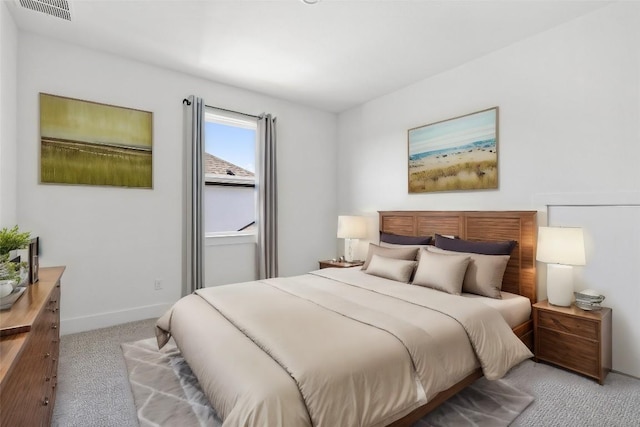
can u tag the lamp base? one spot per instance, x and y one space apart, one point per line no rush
560 284
348 250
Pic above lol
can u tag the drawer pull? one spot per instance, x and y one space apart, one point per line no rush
54 326
47 379
46 355
45 402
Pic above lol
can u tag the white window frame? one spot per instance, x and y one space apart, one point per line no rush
230 237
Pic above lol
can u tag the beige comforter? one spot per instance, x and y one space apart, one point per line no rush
333 347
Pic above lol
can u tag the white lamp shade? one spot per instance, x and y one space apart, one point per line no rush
561 245
352 227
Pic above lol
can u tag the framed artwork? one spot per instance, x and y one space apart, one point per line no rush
34 253
87 143
455 154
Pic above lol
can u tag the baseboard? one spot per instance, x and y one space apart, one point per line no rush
625 374
104 320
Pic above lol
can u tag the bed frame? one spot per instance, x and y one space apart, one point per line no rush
519 277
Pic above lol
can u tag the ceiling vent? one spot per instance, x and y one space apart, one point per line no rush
56 8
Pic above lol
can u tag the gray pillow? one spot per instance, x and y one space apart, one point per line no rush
442 272
395 269
484 274
397 239
486 248
395 253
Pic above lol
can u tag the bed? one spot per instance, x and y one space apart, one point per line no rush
344 347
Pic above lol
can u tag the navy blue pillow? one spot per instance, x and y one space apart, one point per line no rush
484 248
404 240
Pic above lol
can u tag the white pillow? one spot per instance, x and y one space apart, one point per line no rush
396 253
442 272
394 245
484 273
395 269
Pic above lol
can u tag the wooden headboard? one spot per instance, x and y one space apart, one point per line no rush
520 275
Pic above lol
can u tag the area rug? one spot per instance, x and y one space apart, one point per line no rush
166 393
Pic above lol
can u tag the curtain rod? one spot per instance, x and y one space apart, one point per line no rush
186 101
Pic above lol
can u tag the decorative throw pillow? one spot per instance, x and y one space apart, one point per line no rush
395 269
396 239
395 253
394 245
485 248
442 272
484 273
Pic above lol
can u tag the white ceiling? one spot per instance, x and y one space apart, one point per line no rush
333 55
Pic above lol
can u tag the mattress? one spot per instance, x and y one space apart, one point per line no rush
515 309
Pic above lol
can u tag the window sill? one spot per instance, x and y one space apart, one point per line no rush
223 239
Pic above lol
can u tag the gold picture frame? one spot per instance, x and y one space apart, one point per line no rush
454 154
89 143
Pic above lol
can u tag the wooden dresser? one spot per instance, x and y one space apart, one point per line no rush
575 339
29 344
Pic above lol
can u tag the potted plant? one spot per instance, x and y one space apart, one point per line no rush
12 239
12 273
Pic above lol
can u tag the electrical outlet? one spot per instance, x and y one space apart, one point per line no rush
157 284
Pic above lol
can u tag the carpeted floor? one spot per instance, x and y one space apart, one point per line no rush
93 389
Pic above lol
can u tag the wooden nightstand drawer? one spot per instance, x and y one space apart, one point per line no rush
579 354
573 338
568 324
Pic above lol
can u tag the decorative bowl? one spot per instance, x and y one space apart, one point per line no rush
6 287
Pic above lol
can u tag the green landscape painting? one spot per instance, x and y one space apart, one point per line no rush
88 143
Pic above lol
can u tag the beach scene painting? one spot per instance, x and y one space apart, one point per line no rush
87 143
455 154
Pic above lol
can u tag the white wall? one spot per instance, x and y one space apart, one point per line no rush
231 261
569 103
569 119
8 104
114 241
612 246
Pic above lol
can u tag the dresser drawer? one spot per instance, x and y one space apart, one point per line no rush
30 337
576 353
571 325
25 398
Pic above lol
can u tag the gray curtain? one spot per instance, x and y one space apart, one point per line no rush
193 277
267 219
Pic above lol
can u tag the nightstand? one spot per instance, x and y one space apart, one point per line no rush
339 264
574 339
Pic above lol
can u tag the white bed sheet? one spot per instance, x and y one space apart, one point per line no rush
515 309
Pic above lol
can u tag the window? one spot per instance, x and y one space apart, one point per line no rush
229 165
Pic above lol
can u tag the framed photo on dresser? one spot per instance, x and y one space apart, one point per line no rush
34 251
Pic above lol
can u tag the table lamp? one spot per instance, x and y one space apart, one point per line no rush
561 248
351 228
